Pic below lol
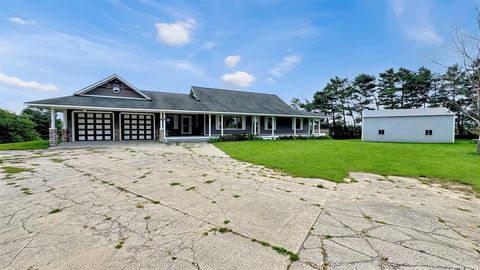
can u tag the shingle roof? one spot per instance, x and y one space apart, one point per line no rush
408 112
208 100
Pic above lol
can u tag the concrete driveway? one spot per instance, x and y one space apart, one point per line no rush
155 206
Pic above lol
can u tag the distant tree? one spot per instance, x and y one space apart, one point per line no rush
437 96
422 87
454 83
41 119
364 92
16 128
406 87
296 104
387 89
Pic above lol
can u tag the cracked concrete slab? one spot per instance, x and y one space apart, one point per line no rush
190 206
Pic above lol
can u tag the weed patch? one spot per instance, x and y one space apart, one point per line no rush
56 210
11 169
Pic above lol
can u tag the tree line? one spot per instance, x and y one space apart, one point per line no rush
32 124
343 100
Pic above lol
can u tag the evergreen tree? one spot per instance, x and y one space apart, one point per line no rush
364 92
422 87
387 89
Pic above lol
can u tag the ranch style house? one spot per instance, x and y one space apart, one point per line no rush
115 110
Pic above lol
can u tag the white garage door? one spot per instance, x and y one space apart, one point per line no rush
92 126
137 126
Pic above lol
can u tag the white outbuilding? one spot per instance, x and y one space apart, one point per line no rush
427 125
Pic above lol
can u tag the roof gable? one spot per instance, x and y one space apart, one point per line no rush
113 87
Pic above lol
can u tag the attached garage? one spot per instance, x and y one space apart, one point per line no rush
93 126
136 126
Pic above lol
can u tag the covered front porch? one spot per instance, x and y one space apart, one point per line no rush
201 127
132 125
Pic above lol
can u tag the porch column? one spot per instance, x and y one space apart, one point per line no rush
162 130
65 127
259 125
221 124
52 132
273 127
310 132
318 126
209 125
294 126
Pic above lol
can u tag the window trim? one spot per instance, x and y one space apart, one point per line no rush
274 123
294 124
218 119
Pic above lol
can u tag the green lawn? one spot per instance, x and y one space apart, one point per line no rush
24 145
334 159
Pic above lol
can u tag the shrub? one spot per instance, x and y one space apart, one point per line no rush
236 137
310 137
16 128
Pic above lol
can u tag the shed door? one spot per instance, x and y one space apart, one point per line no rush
137 126
91 126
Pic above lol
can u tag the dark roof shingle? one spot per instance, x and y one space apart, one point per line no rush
209 100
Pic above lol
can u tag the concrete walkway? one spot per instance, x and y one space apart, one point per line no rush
189 206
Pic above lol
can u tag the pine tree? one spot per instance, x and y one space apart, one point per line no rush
387 89
364 92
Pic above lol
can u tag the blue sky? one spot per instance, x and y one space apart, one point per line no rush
289 48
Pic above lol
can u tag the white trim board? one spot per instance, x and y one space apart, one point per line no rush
167 111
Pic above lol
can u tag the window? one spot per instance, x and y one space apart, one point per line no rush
381 132
268 123
428 132
230 122
297 124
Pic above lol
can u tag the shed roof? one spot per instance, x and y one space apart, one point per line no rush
440 111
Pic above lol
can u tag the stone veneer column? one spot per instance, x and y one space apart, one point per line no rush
65 137
53 136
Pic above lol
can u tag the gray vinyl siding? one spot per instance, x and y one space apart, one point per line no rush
409 129
106 90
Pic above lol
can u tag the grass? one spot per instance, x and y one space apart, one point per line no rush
334 159
42 144
11 169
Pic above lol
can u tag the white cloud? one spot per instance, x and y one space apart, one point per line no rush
232 60
209 45
175 34
17 82
238 79
184 65
271 80
414 20
287 64
18 20
425 35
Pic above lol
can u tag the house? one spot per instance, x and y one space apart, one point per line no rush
114 109
430 125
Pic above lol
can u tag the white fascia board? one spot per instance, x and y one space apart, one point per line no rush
166 111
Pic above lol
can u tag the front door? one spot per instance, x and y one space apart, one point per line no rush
186 125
